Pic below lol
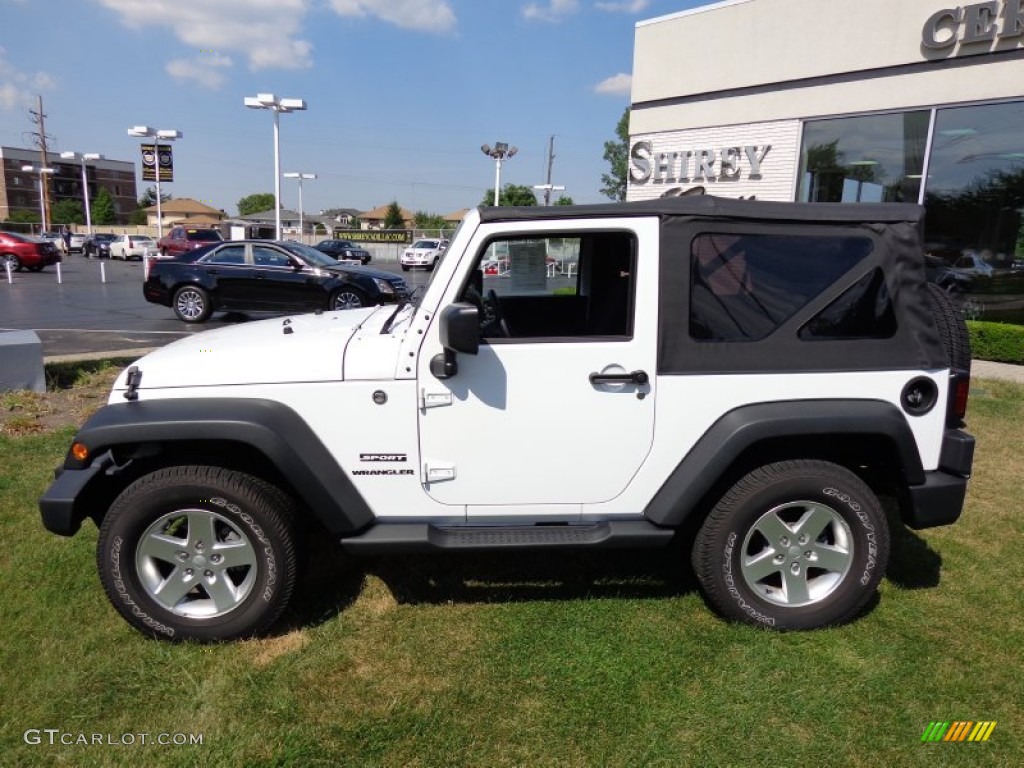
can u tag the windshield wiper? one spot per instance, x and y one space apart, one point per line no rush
413 299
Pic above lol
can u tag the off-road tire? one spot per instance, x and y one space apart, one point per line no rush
743 574
952 327
155 556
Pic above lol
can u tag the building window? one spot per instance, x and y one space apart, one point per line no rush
872 158
975 191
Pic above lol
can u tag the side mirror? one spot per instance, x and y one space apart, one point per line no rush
460 332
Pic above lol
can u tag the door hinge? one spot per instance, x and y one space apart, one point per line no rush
434 399
438 471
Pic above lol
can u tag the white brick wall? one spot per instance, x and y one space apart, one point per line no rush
778 169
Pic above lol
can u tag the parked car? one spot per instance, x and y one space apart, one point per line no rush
130 246
77 242
423 253
943 275
183 239
267 276
98 245
53 237
23 251
971 263
344 250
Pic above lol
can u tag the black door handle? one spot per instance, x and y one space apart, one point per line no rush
636 377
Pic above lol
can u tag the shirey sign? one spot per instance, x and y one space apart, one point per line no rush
695 165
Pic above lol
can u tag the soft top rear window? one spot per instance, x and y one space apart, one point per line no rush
745 286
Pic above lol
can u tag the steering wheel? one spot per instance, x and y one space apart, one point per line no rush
497 316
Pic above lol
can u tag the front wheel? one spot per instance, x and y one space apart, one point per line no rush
199 553
9 260
192 304
347 298
793 545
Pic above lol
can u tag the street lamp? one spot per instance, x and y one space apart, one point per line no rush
168 135
548 188
277 106
85 180
499 153
300 177
42 192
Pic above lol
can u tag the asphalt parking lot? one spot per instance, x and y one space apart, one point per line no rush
82 314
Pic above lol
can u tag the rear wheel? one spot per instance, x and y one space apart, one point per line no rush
793 545
199 553
348 298
192 304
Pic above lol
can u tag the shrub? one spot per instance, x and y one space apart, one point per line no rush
998 342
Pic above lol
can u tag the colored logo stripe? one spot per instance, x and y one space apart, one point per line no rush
958 730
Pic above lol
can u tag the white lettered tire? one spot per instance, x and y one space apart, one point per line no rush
793 545
199 553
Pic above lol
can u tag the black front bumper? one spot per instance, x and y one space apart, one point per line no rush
62 506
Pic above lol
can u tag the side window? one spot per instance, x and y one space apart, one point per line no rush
268 257
555 286
864 311
744 286
230 254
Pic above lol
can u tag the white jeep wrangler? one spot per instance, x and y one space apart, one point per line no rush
754 374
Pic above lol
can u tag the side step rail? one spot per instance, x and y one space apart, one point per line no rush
423 537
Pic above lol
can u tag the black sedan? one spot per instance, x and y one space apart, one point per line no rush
344 250
265 276
98 245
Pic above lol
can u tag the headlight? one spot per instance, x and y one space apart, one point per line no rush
383 285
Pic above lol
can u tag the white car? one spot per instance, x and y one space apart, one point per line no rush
131 247
423 253
77 242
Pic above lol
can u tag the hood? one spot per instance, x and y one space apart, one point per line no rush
281 350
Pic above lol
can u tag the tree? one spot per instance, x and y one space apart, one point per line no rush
103 211
256 203
617 154
393 217
148 199
424 220
138 217
67 212
564 200
511 194
24 217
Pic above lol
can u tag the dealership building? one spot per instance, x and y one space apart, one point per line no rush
840 101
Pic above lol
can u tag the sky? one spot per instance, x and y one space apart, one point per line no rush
401 94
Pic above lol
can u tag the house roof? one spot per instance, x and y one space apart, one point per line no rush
458 215
181 205
381 212
268 215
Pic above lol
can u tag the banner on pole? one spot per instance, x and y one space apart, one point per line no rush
152 159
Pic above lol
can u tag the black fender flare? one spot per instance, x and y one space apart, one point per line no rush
271 428
742 428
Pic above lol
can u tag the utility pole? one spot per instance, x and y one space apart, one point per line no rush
551 161
38 117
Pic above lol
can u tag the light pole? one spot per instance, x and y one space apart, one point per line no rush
548 188
42 195
500 152
277 106
168 135
300 177
85 181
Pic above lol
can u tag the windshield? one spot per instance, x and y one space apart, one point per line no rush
309 255
205 235
425 244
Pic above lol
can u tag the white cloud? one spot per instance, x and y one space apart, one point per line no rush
616 85
554 11
630 6
18 88
264 31
420 15
203 69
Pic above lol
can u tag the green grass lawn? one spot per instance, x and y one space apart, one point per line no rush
581 660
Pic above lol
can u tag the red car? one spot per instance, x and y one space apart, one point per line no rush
183 239
32 253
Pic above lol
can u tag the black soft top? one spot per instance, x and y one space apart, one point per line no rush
708 206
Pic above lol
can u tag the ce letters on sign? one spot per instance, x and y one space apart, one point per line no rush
694 165
972 24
